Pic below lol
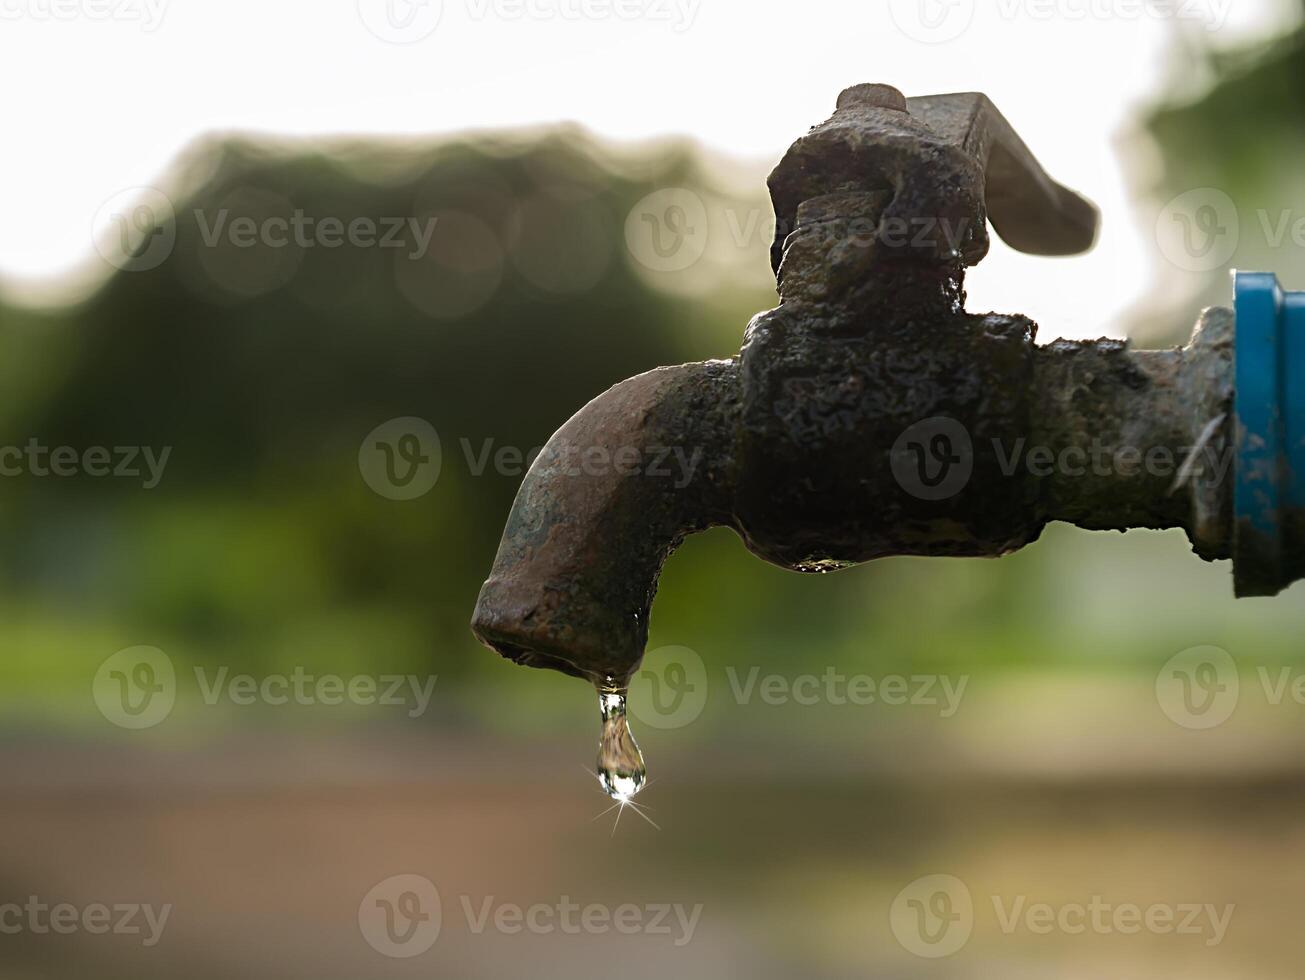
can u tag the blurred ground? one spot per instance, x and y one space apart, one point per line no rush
266 848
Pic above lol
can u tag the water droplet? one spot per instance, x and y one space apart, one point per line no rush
620 763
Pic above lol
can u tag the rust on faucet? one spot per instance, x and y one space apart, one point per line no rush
808 443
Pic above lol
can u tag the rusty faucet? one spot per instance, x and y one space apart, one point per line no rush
869 414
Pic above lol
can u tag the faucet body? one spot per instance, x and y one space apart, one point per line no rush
868 414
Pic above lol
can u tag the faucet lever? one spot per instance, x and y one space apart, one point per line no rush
951 163
1031 211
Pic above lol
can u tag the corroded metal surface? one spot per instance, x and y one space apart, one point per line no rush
614 491
950 160
1101 399
802 443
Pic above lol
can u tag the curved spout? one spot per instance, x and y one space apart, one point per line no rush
611 495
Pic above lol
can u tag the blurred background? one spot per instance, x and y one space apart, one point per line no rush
239 526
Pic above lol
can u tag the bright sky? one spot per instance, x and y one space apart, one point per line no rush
100 95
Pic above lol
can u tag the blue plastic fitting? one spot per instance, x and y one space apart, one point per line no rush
1268 545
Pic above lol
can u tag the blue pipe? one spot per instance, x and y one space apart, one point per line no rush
1269 407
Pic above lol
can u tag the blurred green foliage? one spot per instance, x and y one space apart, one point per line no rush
1243 136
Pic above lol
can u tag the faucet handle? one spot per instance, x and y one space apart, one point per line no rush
1031 212
951 162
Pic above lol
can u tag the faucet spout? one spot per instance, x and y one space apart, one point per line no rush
612 494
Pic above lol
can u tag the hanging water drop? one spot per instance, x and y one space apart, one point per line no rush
620 763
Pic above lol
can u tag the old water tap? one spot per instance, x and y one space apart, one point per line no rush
870 415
